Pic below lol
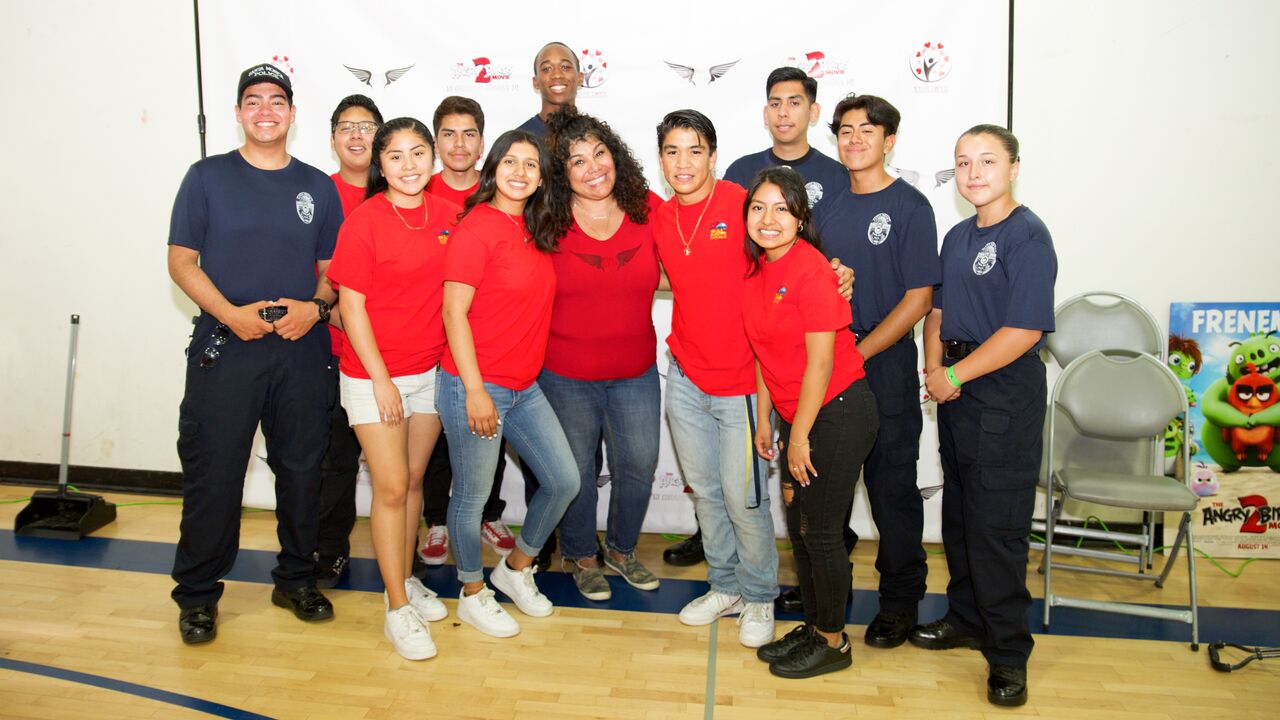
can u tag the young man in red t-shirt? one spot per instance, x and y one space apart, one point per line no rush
459 126
351 127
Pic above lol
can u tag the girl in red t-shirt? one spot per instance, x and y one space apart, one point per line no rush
388 264
498 291
809 370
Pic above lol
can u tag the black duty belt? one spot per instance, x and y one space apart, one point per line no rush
959 350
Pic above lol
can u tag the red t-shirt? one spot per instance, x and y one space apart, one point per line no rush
707 337
515 285
602 321
786 299
438 187
350 196
400 272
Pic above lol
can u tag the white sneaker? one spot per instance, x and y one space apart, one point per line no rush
755 625
482 612
704 610
424 600
520 587
409 634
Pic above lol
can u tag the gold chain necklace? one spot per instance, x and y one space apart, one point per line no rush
425 215
680 232
524 233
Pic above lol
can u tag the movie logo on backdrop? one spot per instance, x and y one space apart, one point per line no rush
818 66
1227 356
479 70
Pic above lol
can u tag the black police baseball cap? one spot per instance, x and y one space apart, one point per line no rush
268 73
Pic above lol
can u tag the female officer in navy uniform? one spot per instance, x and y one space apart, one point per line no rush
981 356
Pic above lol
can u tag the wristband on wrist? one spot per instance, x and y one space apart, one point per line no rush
951 377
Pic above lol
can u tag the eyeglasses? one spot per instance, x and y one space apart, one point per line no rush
346 127
219 338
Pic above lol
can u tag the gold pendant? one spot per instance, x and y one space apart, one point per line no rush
686 251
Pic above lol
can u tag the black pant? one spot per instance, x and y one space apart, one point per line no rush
890 476
990 439
438 480
288 387
338 472
840 440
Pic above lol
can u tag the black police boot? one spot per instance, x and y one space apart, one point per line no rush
889 629
686 552
198 624
1007 686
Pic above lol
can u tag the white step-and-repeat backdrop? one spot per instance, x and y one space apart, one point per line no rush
943 64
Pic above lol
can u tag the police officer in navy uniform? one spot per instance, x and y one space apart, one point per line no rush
981 355
251 232
885 230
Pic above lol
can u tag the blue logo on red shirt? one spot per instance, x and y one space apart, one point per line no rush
719 231
777 297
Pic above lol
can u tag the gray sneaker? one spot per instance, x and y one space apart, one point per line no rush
636 575
590 581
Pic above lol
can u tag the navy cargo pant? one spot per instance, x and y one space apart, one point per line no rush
232 386
990 439
890 476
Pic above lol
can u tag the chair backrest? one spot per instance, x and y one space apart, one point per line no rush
1082 324
1119 396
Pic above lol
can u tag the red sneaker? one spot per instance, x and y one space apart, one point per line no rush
435 549
497 536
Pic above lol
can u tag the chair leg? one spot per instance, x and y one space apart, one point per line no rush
1151 539
1144 551
1191 579
1184 527
1046 562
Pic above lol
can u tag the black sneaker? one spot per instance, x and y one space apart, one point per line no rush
329 572
780 648
814 658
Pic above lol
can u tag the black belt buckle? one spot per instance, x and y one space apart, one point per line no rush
272 313
954 349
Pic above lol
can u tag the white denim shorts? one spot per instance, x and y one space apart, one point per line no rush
417 395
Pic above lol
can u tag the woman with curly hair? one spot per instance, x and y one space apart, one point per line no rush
600 374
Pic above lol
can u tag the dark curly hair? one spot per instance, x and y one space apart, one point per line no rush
567 126
536 218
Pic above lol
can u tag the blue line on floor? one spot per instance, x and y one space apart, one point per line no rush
1239 625
106 683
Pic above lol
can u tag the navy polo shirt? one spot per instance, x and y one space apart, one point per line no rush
259 232
997 276
890 240
823 176
535 126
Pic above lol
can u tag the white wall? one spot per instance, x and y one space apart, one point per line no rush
1147 132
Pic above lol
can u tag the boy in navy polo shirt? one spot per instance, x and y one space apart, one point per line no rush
251 232
556 79
791 107
884 228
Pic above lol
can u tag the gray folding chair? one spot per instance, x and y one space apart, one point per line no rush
1102 320
1119 398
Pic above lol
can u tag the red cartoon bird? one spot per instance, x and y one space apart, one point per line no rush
1252 393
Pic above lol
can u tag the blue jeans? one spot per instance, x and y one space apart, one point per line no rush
530 425
713 437
627 412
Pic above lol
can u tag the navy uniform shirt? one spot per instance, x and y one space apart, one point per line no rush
823 176
997 276
259 232
890 240
535 126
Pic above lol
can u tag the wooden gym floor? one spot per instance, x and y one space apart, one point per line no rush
88 630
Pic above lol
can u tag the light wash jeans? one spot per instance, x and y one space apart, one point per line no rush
713 438
530 425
